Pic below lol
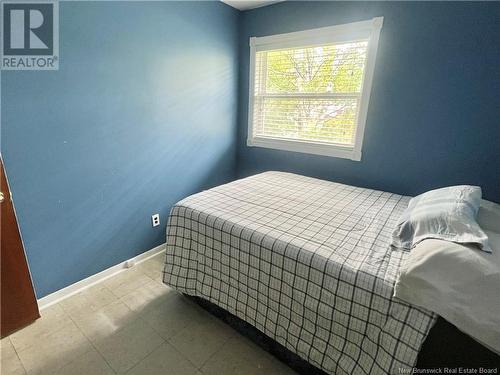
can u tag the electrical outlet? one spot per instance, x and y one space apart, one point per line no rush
155 219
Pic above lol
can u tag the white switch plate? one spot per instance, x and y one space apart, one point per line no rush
155 220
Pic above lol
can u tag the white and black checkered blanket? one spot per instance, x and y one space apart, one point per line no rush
305 261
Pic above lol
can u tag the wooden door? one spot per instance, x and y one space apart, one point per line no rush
18 306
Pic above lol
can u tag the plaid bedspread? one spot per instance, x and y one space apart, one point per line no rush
305 261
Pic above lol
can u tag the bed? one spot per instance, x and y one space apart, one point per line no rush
304 261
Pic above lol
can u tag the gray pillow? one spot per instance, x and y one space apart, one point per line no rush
448 214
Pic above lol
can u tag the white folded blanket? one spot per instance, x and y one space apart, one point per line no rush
458 282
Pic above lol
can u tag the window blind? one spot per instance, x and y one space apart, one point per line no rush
309 93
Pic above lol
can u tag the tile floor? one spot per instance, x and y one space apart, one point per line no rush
132 324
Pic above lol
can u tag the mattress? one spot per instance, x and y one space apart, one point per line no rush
305 261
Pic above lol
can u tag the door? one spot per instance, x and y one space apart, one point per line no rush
18 306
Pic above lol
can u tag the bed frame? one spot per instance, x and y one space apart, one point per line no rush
445 345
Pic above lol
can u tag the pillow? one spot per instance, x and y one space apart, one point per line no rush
448 214
488 217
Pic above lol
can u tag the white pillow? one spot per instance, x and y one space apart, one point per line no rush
447 214
458 282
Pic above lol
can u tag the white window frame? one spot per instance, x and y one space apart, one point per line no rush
370 30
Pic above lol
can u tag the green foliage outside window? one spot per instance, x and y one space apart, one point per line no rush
312 93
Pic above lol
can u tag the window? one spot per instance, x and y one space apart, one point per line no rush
309 90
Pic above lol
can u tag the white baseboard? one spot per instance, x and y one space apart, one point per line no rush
77 287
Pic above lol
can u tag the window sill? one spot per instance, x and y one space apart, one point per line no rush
315 148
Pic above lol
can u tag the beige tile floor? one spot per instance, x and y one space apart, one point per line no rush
132 324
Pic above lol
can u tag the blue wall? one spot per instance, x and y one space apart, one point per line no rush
141 113
434 115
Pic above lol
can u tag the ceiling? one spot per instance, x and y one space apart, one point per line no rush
249 4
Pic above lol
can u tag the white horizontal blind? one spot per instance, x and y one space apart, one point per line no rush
309 93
